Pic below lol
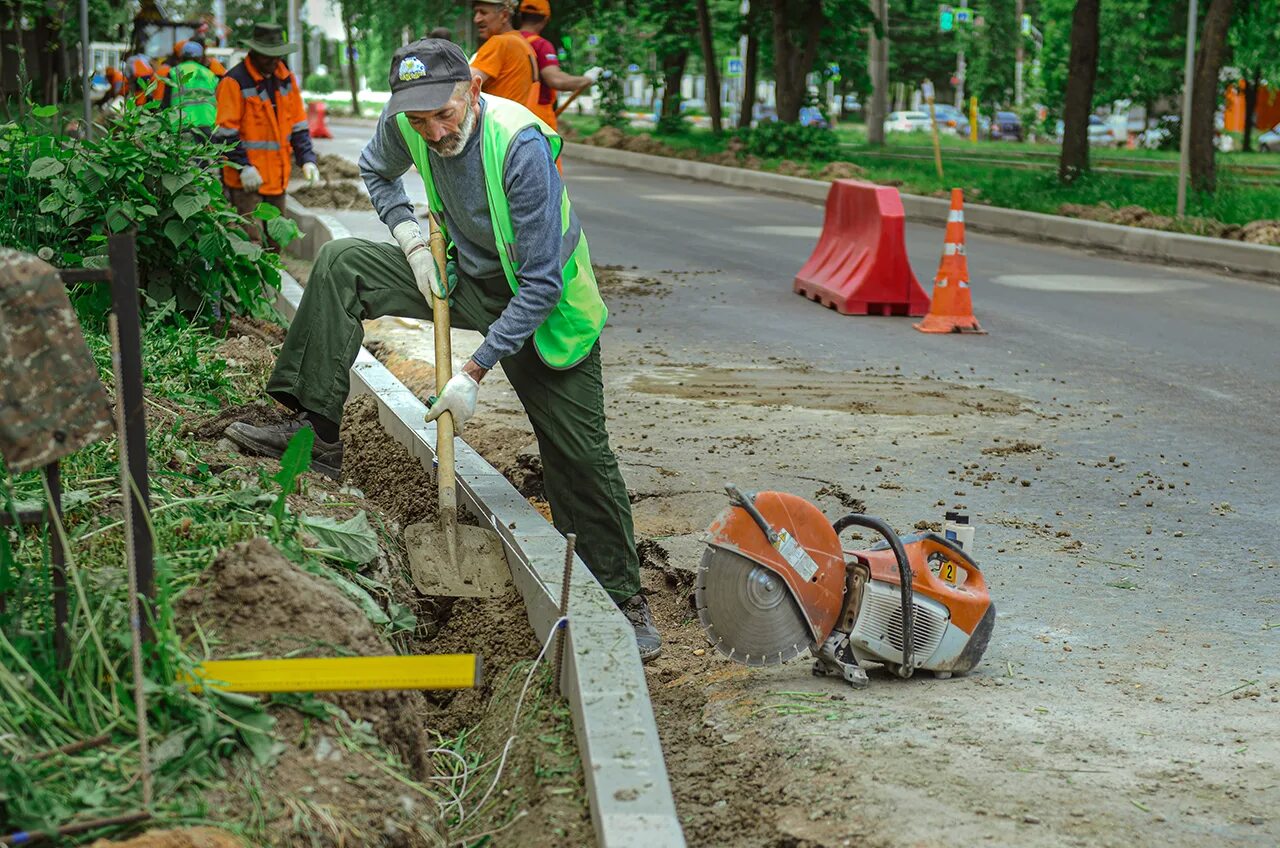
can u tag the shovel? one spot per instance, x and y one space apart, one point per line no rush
452 560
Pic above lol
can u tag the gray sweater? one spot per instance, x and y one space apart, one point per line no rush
533 190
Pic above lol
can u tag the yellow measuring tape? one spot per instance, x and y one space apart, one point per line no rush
338 674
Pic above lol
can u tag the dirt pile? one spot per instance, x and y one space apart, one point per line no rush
378 466
334 194
841 171
253 599
617 281
1257 232
335 167
791 168
607 137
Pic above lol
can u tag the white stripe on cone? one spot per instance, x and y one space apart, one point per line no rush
953 249
956 216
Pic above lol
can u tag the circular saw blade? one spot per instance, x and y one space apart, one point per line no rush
747 611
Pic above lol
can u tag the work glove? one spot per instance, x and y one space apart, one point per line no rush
311 172
451 276
421 262
593 74
250 178
458 397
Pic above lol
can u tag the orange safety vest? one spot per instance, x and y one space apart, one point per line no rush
247 113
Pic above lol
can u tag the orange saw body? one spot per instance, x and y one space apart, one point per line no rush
775 582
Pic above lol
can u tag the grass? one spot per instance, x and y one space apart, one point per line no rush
1235 202
201 743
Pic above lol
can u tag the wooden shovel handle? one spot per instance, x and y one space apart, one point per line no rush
444 370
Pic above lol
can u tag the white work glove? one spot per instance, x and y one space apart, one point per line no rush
458 397
311 172
593 74
421 262
250 178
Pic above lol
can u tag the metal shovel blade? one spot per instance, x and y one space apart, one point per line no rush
481 572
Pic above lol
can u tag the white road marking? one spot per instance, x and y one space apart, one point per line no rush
782 230
592 178
692 198
1095 285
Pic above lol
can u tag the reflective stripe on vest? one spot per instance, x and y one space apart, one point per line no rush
569 333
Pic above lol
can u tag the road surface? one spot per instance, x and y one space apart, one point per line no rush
1115 438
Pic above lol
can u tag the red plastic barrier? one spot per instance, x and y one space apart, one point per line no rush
860 265
316 113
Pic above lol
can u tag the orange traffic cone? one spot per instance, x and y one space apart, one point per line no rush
952 308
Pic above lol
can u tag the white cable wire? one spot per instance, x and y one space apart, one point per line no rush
528 680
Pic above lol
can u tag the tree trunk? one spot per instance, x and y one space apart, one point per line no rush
1082 74
1251 87
711 69
878 65
672 72
1204 94
791 61
353 81
749 69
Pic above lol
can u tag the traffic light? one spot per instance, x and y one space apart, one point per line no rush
946 19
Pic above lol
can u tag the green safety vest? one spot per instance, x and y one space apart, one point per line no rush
567 335
195 96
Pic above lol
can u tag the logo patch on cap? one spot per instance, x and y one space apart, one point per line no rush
411 68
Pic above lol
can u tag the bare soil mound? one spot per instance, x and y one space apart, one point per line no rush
378 466
335 167
253 599
333 194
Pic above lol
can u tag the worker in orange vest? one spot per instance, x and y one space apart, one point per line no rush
534 15
260 111
505 63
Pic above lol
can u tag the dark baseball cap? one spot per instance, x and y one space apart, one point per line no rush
424 75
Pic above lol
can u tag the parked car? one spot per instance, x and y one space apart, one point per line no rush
907 122
1101 134
951 119
1006 127
1269 141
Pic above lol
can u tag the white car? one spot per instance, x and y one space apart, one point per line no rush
906 122
1269 141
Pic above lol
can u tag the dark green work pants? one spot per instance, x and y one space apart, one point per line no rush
354 279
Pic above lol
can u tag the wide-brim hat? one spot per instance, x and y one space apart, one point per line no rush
424 75
268 39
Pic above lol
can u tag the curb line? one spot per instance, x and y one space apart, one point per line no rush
1257 260
604 681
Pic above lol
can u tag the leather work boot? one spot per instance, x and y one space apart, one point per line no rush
636 609
271 440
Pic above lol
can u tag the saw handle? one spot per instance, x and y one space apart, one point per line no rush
935 544
904 572
737 498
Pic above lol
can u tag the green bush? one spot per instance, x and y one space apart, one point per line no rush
60 197
777 140
319 84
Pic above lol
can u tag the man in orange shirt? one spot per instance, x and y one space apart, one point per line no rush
534 15
505 63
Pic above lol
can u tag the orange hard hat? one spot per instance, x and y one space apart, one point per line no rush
536 7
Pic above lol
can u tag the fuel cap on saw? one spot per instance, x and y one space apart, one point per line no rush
747 611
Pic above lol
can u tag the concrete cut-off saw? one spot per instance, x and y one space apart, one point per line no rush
775 582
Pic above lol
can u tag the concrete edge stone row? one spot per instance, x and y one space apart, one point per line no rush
622 760
1261 261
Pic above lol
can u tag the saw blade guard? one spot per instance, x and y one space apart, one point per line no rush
807 556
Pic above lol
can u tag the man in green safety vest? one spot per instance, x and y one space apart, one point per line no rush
519 273
190 91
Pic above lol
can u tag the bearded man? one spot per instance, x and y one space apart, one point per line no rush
519 273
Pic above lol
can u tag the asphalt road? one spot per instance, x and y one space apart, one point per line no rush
1129 551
